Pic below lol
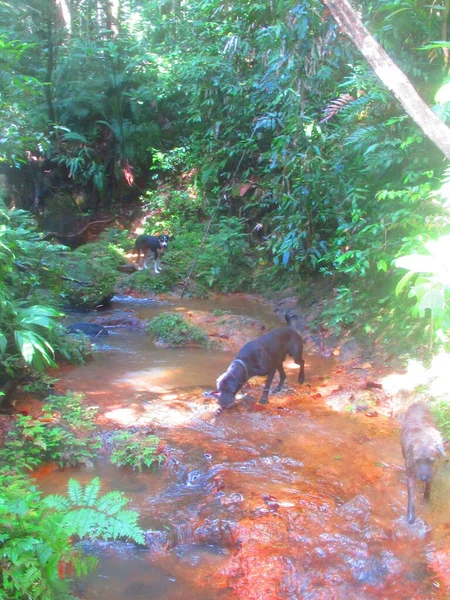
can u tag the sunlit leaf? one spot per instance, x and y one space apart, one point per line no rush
417 263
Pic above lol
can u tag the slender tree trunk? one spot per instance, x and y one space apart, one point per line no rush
392 77
64 16
50 62
111 8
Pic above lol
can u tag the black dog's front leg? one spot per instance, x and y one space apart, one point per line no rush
282 378
266 391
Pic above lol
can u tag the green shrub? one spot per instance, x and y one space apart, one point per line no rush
137 450
225 264
173 329
53 438
38 554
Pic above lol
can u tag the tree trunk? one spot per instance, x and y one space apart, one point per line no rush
50 63
392 77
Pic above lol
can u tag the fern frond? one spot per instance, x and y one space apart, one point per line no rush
91 492
112 502
71 136
336 106
76 493
57 502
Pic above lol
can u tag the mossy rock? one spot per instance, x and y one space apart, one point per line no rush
92 270
146 281
172 329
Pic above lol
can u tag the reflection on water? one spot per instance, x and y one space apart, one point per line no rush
287 501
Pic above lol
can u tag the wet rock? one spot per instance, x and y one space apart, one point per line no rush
128 268
371 571
120 319
90 329
159 541
356 513
216 532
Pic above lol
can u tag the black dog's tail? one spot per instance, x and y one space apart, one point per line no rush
290 317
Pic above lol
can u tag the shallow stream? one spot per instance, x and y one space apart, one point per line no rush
290 501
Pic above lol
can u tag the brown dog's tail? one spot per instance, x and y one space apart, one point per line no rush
290 317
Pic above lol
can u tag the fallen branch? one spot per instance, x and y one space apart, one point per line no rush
51 234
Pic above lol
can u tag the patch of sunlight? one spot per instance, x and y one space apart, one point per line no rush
169 416
436 379
158 380
124 416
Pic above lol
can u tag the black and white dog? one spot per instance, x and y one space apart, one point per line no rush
263 356
150 243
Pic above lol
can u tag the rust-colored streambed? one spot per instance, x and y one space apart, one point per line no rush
288 501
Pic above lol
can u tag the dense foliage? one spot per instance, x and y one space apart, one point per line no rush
264 106
258 137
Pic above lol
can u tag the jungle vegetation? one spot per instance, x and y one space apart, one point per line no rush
262 119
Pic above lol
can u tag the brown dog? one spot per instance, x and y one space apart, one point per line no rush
263 356
422 445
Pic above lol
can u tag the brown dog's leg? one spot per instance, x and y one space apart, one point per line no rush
267 385
426 493
411 494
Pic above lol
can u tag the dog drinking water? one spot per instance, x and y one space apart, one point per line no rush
263 356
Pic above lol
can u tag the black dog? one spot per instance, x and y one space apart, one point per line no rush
263 356
147 243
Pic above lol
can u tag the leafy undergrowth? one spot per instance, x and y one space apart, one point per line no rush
136 450
39 557
65 434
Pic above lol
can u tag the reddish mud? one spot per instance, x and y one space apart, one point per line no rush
288 501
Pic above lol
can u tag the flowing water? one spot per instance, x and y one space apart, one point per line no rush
288 501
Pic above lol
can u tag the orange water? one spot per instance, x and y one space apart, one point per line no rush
287 501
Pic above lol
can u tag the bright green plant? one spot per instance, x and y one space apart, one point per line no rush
40 384
173 329
25 328
428 279
224 264
65 434
72 411
137 450
37 441
39 557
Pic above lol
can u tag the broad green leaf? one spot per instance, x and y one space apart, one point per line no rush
403 282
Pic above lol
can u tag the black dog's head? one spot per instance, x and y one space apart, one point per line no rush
164 241
228 385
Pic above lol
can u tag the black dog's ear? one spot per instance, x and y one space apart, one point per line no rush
171 237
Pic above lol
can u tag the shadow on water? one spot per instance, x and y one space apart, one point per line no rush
287 501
